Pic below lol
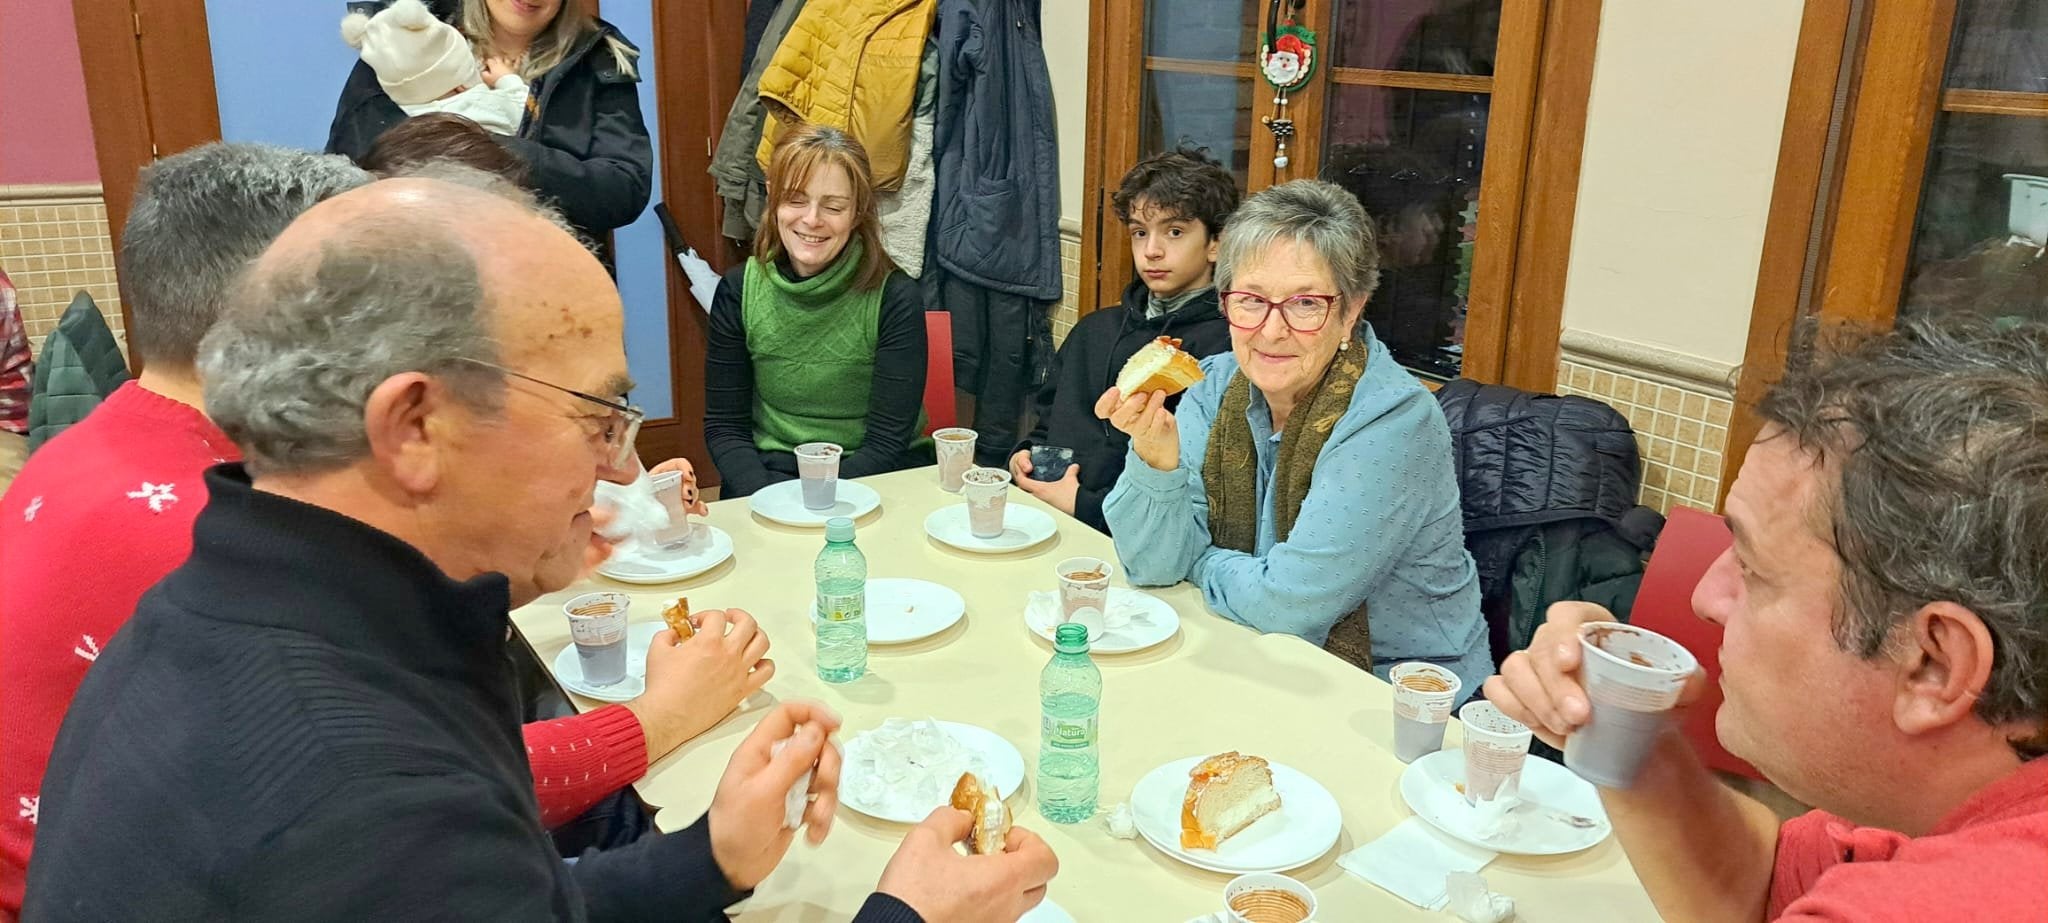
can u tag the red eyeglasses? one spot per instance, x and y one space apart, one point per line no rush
1305 313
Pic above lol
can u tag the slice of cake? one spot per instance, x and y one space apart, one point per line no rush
1226 793
1158 366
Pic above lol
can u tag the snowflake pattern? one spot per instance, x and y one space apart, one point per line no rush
31 805
90 649
158 496
28 514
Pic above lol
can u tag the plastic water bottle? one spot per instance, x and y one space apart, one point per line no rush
842 573
1069 751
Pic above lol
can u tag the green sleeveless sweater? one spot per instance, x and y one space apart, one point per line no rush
813 346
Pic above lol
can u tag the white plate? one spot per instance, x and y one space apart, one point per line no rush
1005 769
784 503
1023 527
708 547
1306 826
901 610
1046 912
1152 622
639 636
1430 786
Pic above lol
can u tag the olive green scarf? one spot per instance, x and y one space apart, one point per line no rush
1230 474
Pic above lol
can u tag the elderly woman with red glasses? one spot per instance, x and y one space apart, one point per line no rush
1306 484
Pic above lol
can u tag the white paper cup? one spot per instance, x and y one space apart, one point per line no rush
954 447
597 625
1423 693
1086 593
1633 677
668 489
817 466
1263 897
986 491
1495 747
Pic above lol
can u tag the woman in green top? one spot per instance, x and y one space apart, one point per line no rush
816 338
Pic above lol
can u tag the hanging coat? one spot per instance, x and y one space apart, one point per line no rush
850 64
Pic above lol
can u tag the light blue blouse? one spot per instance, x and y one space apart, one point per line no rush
1380 525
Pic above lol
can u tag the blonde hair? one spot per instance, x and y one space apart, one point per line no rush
798 155
571 23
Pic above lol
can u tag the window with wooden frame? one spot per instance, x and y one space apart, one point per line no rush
1912 178
1458 123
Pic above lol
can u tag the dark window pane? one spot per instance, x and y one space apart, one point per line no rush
1207 30
2000 45
1198 110
1413 158
1437 36
1977 245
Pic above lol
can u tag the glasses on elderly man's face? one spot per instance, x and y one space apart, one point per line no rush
617 429
1301 313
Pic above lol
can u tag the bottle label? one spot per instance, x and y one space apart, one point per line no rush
1067 733
839 608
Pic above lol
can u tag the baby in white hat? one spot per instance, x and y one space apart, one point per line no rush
425 65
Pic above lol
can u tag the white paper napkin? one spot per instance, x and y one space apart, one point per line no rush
1412 861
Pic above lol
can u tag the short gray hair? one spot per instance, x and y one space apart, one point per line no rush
1320 214
1938 434
290 366
198 218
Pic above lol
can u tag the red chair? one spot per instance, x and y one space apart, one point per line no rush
1689 544
939 410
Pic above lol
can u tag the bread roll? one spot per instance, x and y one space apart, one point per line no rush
677 615
982 802
1226 793
1158 366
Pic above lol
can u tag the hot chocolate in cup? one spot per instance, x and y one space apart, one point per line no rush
954 447
986 491
817 466
1632 677
1264 897
1084 584
1423 695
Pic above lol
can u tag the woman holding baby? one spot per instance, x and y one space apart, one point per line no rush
558 84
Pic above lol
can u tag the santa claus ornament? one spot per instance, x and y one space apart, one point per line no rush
1287 59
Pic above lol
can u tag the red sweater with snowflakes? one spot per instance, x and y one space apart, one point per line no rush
100 514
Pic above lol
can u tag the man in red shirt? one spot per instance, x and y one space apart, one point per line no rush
1884 651
105 509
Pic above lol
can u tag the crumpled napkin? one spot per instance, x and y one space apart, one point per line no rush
1412 861
1473 903
635 513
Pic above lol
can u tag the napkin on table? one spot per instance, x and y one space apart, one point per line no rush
1411 862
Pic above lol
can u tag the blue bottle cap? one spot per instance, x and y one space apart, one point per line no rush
839 529
1071 638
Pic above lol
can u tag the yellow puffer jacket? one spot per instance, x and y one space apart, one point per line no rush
850 64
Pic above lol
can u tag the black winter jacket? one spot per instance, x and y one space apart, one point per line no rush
996 212
1087 364
1548 486
583 139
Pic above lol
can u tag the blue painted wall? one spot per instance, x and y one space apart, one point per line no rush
278 69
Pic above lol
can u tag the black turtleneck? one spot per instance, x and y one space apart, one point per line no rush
309 721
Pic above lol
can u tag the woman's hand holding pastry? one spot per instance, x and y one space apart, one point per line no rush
1155 436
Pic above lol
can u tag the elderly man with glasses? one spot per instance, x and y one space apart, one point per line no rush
1306 484
314 717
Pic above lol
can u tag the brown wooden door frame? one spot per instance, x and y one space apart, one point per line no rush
1534 141
697 49
1847 192
149 84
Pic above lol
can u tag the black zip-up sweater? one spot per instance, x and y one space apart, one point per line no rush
308 721
1087 365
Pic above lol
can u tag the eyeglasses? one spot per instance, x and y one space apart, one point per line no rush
1301 313
621 426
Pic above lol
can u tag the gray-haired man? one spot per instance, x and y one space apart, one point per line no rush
312 717
1884 653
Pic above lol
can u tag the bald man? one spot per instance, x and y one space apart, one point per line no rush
313 717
